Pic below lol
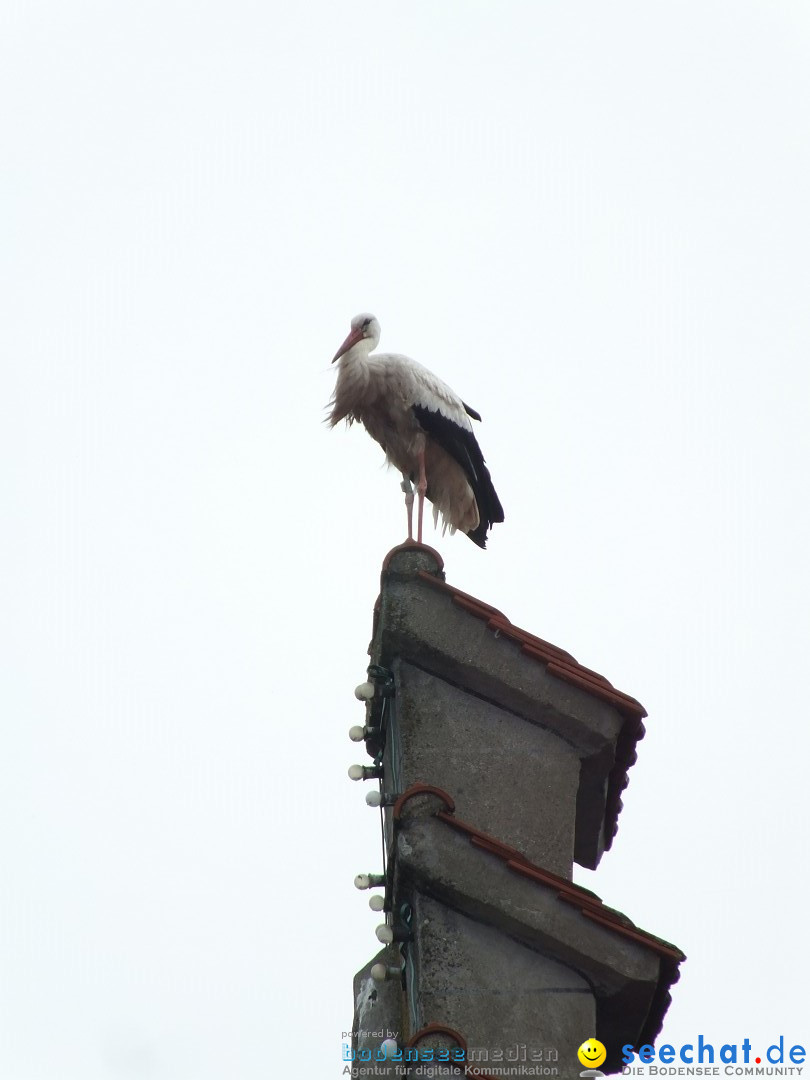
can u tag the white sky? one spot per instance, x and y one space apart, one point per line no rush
593 221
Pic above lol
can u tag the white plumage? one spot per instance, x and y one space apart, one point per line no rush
424 428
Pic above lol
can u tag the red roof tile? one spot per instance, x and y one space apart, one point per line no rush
563 666
588 903
458 1039
559 662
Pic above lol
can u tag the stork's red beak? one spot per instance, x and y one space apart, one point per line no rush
352 339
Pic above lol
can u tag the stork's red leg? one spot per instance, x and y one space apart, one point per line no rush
421 488
408 489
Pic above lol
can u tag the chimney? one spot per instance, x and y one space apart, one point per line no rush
500 762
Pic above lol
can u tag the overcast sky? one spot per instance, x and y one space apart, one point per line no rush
593 221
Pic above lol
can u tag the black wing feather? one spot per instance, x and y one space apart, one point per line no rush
463 447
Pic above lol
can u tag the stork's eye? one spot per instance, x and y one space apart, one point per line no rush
366 323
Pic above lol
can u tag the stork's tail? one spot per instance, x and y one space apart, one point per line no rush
479 535
490 510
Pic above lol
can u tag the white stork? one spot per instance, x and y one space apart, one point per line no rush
424 429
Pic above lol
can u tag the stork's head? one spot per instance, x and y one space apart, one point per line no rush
364 328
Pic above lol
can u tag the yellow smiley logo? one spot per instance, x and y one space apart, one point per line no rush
592 1053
